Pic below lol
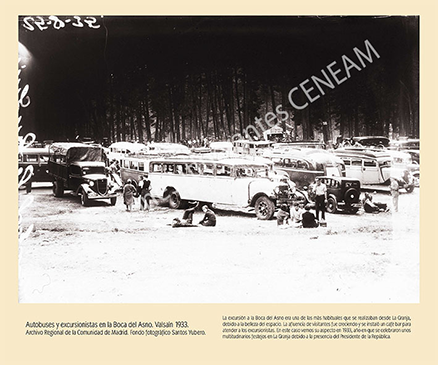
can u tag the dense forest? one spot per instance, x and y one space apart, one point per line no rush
185 78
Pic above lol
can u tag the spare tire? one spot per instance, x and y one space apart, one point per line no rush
351 196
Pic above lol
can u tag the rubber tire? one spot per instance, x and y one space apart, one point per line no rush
58 188
174 200
113 201
84 199
348 199
410 188
332 205
264 208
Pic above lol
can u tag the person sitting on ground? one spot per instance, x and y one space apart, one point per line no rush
283 215
188 213
309 220
296 215
371 207
209 219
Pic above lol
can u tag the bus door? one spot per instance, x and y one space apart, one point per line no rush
354 168
371 173
223 184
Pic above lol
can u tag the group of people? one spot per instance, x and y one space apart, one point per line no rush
143 190
209 219
298 216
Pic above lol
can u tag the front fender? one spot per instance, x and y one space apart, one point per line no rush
84 187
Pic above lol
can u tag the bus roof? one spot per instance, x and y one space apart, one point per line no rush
224 161
360 152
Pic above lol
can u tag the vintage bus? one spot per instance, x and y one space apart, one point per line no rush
252 148
374 167
232 182
38 158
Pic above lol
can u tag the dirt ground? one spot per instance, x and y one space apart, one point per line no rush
103 254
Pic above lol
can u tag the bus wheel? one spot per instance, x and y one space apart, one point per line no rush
174 200
58 188
264 208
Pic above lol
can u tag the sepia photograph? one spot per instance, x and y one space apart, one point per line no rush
218 159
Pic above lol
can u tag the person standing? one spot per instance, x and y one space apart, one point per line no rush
394 187
144 187
209 219
128 194
320 190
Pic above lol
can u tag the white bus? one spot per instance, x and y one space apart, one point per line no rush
252 148
232 182
372 167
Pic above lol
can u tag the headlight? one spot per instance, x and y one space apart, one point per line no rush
91 183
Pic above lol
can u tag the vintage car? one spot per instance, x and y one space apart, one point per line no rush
230 182
342 194
80 168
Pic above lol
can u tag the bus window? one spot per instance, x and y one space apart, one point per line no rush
132 165
261 172
356 162
222 170
156 167
141 166
192 169
180 169
347 162
369 163
207 169
244 172
168 168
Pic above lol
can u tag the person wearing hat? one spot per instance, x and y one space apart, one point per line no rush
128 194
